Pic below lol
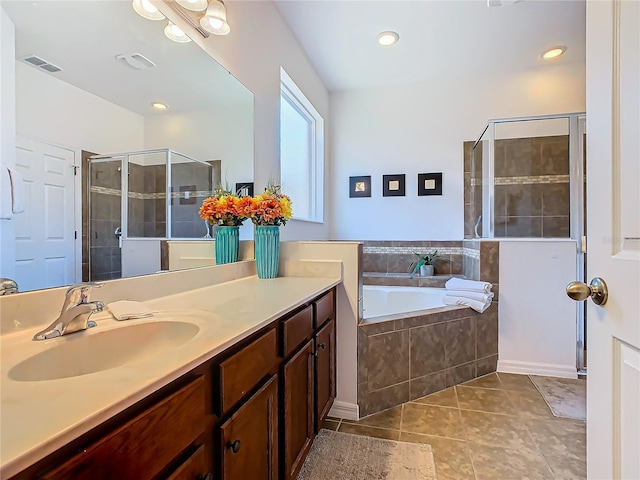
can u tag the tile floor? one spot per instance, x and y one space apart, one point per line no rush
495 427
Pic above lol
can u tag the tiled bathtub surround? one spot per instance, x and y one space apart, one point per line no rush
481 260
395 257
410 357
531 187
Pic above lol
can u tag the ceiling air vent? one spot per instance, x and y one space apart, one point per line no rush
41 63
136 60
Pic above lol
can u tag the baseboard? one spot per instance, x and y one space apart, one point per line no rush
542 369
348 411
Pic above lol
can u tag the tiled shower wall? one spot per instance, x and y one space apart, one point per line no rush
531 187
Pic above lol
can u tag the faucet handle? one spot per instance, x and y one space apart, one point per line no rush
79 293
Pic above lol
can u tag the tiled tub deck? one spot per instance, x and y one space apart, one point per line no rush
420 353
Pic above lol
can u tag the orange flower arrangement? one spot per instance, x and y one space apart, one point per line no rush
268 208
224 208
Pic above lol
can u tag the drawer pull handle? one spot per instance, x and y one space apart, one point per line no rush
234 446
206 476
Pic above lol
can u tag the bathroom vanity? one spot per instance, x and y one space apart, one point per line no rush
242 399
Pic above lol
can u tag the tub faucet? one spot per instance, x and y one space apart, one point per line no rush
75 313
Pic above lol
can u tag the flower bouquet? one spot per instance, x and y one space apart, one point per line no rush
225 211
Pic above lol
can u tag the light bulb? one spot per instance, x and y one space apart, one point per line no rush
215 19
553 52
147 10
193 5
175 33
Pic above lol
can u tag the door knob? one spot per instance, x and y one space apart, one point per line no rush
597 290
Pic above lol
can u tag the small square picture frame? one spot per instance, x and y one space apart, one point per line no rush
360 186
429 184
244 189
393 185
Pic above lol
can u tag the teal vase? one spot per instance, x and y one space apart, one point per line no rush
227 241
267 242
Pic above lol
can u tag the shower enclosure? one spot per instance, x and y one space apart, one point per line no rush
136 196
525 178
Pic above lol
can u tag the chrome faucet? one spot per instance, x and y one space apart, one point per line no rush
75 313
8 286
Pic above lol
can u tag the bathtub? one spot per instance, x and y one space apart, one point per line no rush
387 301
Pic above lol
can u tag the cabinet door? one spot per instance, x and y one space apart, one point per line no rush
325 371
298 409
249 438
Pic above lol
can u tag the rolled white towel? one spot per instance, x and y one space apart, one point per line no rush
126 309
482 297
467 285
477 305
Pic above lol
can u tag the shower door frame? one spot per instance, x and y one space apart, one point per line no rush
577 128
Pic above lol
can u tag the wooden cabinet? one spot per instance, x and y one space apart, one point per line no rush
250 413
144 446
249 438
298 387
325 371
308 380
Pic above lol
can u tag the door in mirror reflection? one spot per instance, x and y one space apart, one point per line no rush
45 243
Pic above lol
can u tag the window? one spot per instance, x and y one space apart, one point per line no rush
301 151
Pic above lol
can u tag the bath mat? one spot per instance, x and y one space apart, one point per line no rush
342 456
566 397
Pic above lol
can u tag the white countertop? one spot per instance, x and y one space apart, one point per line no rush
37 418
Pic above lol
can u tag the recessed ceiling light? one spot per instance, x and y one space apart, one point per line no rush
160 106
554 52
388 38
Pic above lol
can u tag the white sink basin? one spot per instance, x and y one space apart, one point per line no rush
89 352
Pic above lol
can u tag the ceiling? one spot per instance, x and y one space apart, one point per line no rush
451 38
84 38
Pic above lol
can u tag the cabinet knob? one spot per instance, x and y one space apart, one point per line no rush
206 476
322 346
234 446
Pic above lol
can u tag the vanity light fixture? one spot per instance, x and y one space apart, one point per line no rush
161 107
193 5
388 38
175 33
215 19
554 52
147 10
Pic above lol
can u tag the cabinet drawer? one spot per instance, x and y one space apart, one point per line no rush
324 309
192 468
142 447
296 329
242 371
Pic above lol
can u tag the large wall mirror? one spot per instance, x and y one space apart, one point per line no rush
87 74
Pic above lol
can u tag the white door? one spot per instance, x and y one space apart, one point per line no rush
45 232
613 229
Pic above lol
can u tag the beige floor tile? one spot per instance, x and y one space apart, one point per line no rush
497 430
444 398
432 420
488 381
498 463
369 431
485 400
529 404
563 443
330 425
451 456
512 381
389 419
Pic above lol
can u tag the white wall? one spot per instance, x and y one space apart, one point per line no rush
259 43
56 112
226 134
420 128
537 321
7 135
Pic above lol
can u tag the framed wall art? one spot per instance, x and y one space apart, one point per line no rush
393 185
429 184
360 186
